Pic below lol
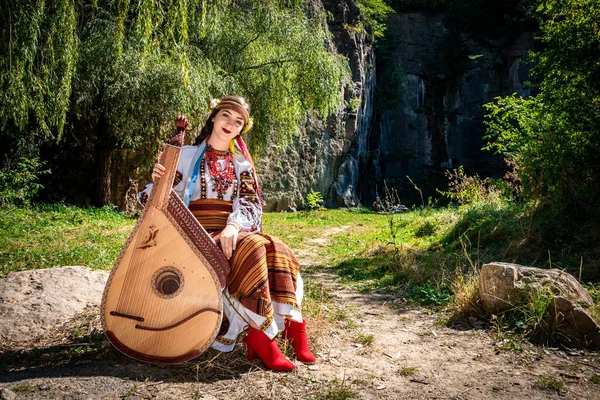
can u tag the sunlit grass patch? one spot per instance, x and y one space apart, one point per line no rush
363 339
337 390
48 236
549 383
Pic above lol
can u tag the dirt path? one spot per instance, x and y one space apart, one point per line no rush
372 347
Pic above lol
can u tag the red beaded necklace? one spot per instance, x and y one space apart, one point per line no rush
222 178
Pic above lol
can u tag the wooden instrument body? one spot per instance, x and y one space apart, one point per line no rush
163 300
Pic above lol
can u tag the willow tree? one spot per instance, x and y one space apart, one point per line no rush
38 55
140 63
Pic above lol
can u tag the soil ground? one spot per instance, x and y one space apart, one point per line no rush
376 347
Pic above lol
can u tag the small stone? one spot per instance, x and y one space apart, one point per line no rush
6 394
313 367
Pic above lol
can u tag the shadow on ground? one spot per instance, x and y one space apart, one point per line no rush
95 356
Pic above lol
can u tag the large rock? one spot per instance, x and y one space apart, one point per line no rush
33 302
572 325
502 285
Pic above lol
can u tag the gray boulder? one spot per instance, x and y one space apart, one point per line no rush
572 325
6 394
504 285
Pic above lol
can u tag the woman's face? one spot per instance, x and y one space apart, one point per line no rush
227 124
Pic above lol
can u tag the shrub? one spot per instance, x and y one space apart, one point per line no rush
19 185
314 200
465 189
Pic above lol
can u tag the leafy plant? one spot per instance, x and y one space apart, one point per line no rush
527 316
353 104
431 294
469 189
374 14
19 185
314 200
549 383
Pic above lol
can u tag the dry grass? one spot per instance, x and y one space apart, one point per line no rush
467 301
407 371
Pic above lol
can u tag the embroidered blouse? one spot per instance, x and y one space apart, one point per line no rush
247 210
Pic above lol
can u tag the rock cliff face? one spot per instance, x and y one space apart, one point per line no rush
326 157
434 80
426 116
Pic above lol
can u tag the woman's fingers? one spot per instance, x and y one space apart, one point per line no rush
227 245
181 122
158 171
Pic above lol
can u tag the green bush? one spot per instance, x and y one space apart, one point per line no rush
431 294
466 189
19 185
554 136
314 200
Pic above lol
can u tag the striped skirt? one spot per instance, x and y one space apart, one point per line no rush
264 277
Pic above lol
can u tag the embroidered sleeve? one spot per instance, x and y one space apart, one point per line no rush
247 210
145 193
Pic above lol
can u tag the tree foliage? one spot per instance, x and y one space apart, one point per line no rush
374 13
38 54
555 136
115 73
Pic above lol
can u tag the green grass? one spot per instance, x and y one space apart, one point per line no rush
422 254
338 391
364 339
374 252
55 235
549 383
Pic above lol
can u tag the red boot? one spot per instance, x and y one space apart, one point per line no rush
296 332
260 346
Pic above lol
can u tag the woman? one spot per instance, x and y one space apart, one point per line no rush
216 179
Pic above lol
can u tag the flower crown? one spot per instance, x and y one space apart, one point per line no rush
216 104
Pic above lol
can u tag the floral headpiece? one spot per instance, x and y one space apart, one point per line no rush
218 104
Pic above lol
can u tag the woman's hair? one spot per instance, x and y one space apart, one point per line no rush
208 125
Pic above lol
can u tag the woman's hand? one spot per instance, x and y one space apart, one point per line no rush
228 239
158 171
181 123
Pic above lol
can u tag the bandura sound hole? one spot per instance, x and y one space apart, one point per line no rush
167 282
